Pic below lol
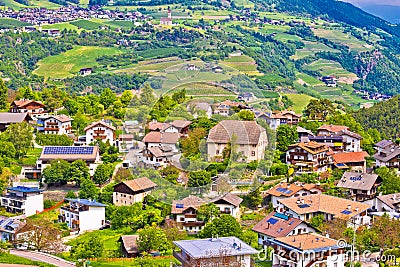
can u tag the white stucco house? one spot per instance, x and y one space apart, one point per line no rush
83 214
100 130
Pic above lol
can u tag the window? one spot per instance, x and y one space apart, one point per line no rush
253 153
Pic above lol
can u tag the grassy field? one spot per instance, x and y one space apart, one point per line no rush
86 24
300 101
309 80
148 261
310 48
31 157
243 64
338 36
69 63
33 3
202 89
12 23
12 259
329 67
61 26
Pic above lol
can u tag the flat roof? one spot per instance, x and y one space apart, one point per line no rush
24 189
215 247
87 202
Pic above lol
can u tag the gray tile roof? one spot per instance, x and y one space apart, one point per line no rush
356 180
215 247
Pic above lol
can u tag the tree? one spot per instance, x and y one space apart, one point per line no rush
3 95
21 136
102 173
199 178
152 238
88 190
126 97
246 115
208 212
317 221
107 97
191 145
147 95
390 180
223 226
42 235
88 248
7 149
285 136
319 109
255 198
77 171
56 172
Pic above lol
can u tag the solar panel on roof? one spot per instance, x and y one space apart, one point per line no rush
179 206
340 164
347 212
281 216
302 206
288 191
272 221
291 222
69 150
280 230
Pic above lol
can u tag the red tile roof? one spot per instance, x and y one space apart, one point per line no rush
347 157
276 225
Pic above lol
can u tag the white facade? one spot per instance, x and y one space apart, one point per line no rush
100 131
352 144
302 192
302 228
27 201
229 209
53 125
83 215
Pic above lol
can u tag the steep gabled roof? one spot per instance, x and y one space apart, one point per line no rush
99 123
8 117
347 157
162 138
140 184
229 198
333 128
276 225
356 180
179 206
246 132
339 207
25 102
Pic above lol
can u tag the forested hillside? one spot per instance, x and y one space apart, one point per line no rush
383 116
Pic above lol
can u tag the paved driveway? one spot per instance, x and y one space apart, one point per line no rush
39 256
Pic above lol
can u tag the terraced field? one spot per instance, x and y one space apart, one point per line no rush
69 63
205 90
329 67
310 48
338 36
243 64
300 101
5 22
33 3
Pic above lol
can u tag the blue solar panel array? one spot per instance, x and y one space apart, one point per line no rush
359 178
272 221
71 150
179 206
347 212
302 206
284 190
281 216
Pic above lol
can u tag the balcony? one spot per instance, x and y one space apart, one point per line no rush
51 123
99 132
190 216
14 197
99 136
51 129
193 224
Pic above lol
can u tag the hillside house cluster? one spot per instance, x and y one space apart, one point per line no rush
333 146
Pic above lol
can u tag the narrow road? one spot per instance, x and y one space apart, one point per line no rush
43 257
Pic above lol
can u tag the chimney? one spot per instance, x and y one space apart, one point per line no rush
302 201
349 207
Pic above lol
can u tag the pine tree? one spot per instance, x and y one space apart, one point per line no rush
3 95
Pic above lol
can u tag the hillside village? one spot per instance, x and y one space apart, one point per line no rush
270 181
179 134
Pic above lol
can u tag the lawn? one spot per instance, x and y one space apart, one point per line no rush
12 259
69 63
86 24
61 26
31 157
309 80
120 24
300 101
137 262
11 23
33 3
108 237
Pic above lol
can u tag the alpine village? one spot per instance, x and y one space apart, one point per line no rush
199 133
